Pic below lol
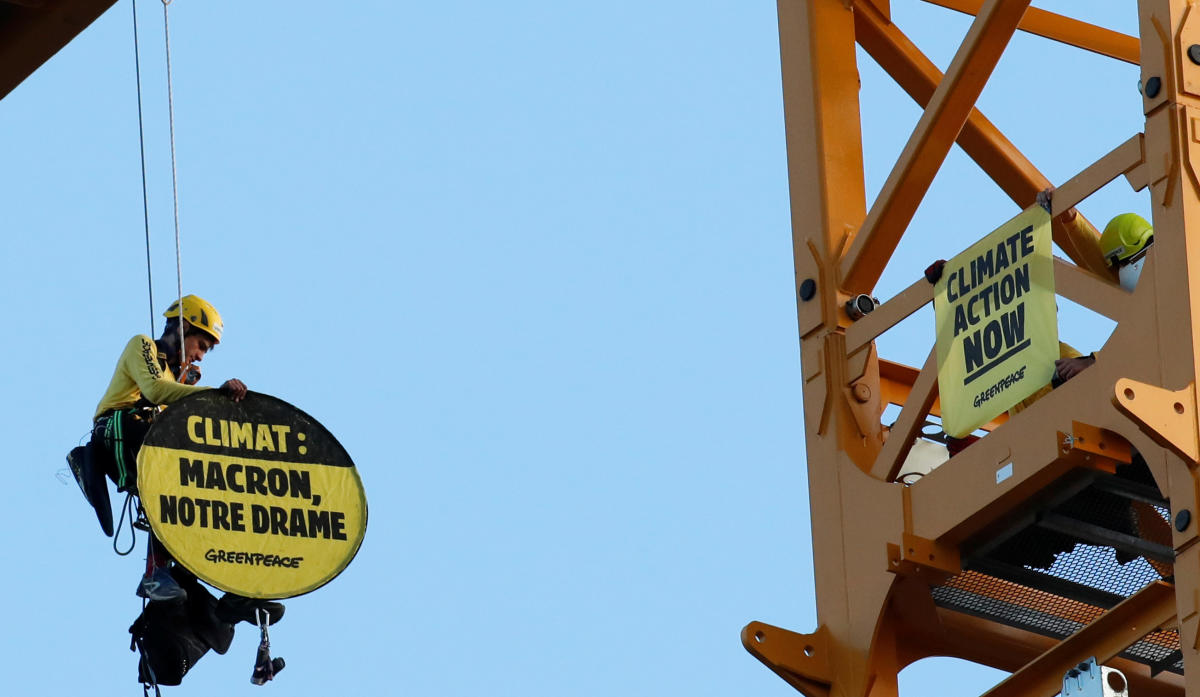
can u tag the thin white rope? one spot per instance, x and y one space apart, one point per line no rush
137 69
174 180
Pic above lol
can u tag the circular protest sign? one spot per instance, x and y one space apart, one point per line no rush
254 497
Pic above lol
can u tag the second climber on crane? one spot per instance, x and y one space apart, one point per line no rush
1124 244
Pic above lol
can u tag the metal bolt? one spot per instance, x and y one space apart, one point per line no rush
1183 519
1153 86
808 289
1194 53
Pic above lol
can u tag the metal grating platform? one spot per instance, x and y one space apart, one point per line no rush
1104 539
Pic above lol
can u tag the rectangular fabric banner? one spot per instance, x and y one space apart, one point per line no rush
997 323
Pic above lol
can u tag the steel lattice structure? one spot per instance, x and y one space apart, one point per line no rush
906 572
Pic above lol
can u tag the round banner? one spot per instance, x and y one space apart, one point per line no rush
254 497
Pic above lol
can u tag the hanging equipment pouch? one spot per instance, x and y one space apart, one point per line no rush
172 637
168 645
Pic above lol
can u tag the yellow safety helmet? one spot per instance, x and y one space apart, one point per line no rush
200 313
1124 237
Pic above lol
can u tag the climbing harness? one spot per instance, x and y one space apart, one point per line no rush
112 428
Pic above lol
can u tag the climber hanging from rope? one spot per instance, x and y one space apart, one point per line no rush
143 382
180 619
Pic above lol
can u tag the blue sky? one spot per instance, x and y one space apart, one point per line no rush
531 263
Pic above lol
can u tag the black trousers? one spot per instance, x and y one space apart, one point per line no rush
116 439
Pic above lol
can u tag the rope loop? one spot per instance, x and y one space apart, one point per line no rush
128 509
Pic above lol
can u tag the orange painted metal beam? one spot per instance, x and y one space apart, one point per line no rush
824 147
908 425
802 660
1093 292
896 382
842 434
888 315
930 142
1008 648
1110 634
31 33
1063 29
979 138
1124 159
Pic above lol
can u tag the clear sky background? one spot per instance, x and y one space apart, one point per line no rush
531 263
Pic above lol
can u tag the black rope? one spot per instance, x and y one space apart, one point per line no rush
137 67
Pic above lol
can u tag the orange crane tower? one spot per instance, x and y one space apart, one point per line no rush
910 570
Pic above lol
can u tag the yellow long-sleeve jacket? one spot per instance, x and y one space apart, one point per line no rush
142 372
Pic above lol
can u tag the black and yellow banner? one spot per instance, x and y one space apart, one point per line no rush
997 323
254 497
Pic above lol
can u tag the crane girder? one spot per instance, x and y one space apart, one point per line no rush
31 31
